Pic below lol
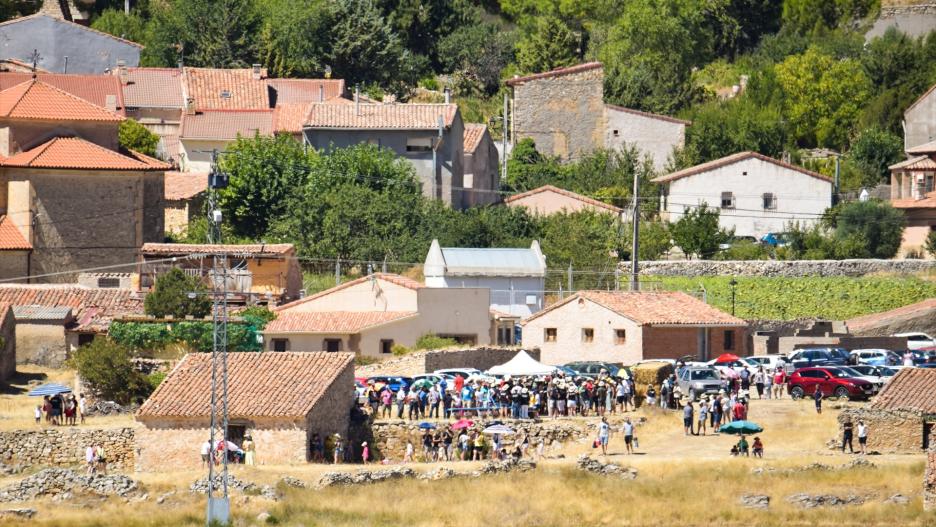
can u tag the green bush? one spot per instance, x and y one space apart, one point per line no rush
171 296
134 136
745 250
150 337
155 379
930 244
106 368
400 350
430 341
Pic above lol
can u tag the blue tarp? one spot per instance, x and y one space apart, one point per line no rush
49 389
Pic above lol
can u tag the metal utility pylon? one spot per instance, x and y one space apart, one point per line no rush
219 504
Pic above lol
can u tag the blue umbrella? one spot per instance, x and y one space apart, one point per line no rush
426 426
49 389
740 428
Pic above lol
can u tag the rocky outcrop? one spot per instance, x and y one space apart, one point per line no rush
17 514
590 464
790 268
364 477
57 481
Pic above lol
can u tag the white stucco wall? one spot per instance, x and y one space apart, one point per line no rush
508 294
655 137
800 197
920 122
376 295
196 154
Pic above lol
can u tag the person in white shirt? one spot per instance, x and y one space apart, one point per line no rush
908 359
82 407
862 435
89 459
603 433
628 429
206 453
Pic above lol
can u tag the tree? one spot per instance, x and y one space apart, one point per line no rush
585 239
365 49
930 244
478 51
171 296
295 40
873 151
106 368
891 59
720 129
115 22
871 229
697 232
547 44
134 136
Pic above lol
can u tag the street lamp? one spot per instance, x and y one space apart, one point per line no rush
733 283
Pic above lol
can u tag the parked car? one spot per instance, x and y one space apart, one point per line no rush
464 373
769 362
743 363
568 372
854 372
916 340
875 357
776 239
924 357
881 373
591 368
436 378
695 381
805 358
832 381
394 382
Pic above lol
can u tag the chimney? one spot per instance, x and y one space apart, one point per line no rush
357 100
122 72
110 102
448 96
189 106
256 72
321 93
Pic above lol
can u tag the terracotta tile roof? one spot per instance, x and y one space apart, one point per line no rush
473 134
926 202
653 308
647 114
911 389
381 116
395 279
36 100
558 72
153 88
232 89
926 148
92 88
915 163
339 322
185 185
866 322
181 249
270 384
568 193
290 117
93 308
730 160
226 124
302 91
11 239
76 153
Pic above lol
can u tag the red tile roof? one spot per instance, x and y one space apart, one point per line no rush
290 117
558 72
926 202
647 114
208 87
92 88
182 249
911 389
730 160
653 308
93 308
226 124
36 100
473 134
925 148
11 239
381 116
153 88
568 193
76 153
395 279
303 91
925 163
339 322
269 384
885 318
185 185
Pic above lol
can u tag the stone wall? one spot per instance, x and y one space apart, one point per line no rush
66 446
889 432
791 268
41 343
929 480
428 361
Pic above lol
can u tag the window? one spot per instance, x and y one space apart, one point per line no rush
419 144
332 345
280 344
727 200
729 339
550 335
616 133
744 173
386 346
588 335
531 300
620 336
770 201
108 283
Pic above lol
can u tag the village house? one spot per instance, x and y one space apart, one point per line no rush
279 399
564 112
7 342
482 170
914 192
372 314
184 199
548 200
755 194
626 327
100 90
902 417
257 273
515 277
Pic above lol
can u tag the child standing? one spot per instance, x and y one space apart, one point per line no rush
38 414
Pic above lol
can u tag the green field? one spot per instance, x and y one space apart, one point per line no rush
832 298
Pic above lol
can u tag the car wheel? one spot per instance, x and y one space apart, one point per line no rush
797 392
841 392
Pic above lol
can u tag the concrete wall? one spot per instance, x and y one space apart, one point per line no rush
482 174
654 137
43 344
783 268
797 195
7 346
376 295
920 122
564 115
196 153
66 446
508 294
920 222
889 432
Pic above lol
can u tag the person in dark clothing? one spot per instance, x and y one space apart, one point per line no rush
817 396
847 429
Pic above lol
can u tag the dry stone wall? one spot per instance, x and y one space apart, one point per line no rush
889 432
65 446
791 268
929 480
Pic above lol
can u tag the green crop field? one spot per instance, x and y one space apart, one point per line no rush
832 298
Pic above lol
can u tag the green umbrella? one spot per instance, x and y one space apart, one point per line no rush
422 383
740 428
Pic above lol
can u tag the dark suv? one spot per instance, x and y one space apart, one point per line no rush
833 382
805 358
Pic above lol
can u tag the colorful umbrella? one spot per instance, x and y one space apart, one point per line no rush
426 426
462 423
49 389
422 383
726 357
741 428
499 429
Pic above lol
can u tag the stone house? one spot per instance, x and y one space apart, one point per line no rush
756 194
626 327
913 190
902 417
373 313
919 122
184 199
7 342
515 277
280 399
548 200
482 170
258 273
564 112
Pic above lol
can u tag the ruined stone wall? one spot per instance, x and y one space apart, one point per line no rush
66 446
929 480
889 432
783 268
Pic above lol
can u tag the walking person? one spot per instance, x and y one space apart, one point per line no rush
90 460
779 379
862 436
847 437
703 417
687 417
101 459
38 414
768 384
339 449
604 431
386 399
651 395
759 382
82 406
205 453
817 396
628 429
400 401
365 452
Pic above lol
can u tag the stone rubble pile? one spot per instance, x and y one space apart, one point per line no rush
266 491
362 477
855 463
811 501
755 501
22 514
507 465
56 481
290 481
898 499
439 474
590 464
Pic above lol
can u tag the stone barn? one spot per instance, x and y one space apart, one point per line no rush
902 418
280 398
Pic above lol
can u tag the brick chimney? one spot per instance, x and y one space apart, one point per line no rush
190 106
110 102
257 72
122 73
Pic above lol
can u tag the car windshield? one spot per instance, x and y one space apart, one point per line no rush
841 373
864 370
703 375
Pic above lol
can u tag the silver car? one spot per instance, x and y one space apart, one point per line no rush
695 381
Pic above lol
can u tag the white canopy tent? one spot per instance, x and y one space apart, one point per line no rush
522 365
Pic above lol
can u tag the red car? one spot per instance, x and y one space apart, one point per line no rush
832 381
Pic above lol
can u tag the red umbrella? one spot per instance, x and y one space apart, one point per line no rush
726 357
462 423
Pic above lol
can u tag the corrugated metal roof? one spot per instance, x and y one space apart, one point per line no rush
492 262
59 313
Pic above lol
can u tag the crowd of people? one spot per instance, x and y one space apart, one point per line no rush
62 409
243 454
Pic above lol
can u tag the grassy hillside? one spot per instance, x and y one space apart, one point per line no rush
834 298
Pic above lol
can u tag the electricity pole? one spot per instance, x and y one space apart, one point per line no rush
635 283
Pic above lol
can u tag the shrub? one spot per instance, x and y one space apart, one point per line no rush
399 350
155 379
432 341
745 250
106 367
170 296
134 136
930 244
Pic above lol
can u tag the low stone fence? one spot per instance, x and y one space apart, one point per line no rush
482 358
66 446
889 431
792 268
